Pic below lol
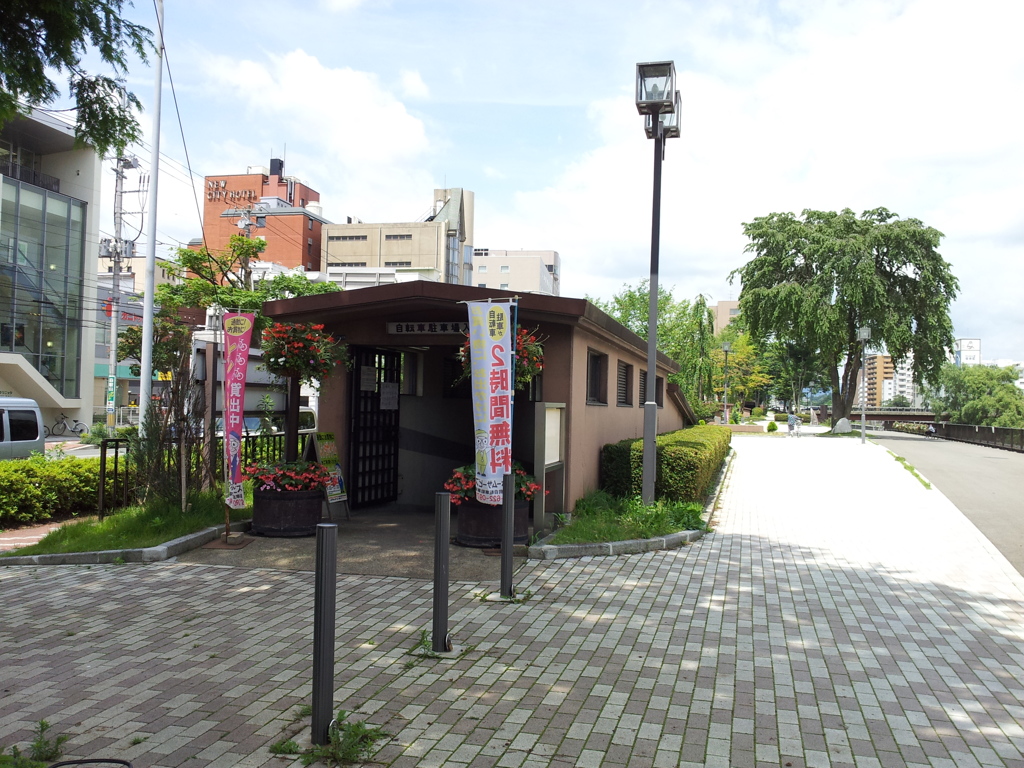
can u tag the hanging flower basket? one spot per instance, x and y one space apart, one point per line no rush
529 358
303 350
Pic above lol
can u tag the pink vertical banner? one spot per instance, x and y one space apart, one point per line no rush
491 336
237 336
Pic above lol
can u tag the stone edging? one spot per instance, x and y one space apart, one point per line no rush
542 551
155 554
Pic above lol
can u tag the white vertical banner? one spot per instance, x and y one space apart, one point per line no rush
491 336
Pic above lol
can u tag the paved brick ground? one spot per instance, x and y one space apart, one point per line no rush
820 625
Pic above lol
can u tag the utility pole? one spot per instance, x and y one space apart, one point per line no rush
119 250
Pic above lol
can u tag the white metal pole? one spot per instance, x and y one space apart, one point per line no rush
148 307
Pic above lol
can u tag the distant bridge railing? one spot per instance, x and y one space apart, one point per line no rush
994 437
997 437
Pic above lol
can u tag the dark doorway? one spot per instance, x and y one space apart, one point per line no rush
373 445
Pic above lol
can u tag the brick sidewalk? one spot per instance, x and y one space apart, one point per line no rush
813 628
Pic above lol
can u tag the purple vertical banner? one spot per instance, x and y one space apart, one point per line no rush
237 336
491 335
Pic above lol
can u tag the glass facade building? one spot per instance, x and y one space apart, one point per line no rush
42 268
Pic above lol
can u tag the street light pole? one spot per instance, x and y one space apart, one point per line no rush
657 99
726 346
863 334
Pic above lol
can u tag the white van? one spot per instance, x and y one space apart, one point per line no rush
21 428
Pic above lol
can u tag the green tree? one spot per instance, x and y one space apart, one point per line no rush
899 401
746 373
685 333
979 394
38 37
226 279
816 279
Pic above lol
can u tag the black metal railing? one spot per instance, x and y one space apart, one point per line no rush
996 437
114 467
29 175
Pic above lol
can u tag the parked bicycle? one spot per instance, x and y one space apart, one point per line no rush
62 425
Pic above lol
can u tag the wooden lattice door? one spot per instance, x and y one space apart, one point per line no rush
373 446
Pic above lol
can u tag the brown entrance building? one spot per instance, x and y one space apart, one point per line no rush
402 423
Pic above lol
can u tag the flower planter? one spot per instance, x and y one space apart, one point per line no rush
286 513
479 525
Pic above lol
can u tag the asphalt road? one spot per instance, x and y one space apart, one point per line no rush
986 484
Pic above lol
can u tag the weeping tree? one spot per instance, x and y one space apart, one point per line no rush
686 333
815 279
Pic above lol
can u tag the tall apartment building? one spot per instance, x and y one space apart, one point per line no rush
437 248
967 352
49 230
724 313
280 209
878 369
527 271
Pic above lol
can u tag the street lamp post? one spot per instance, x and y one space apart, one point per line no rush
658 100
726 346
863 334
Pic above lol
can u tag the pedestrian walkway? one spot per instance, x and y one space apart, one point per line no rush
819 625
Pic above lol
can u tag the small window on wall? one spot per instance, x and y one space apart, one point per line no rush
643 386
597 378
659 391
624 384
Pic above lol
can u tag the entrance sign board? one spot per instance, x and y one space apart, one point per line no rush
491 338
237 335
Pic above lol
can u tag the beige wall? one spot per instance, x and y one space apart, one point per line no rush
425 249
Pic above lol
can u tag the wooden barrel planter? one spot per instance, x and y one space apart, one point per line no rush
286 513
479 525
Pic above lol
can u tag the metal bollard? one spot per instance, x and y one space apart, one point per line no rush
442 533
508 591
324 602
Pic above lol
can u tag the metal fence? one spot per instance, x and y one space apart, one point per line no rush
117 475
996 437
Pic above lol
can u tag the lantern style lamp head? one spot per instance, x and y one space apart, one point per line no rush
655 87
726 347
669 121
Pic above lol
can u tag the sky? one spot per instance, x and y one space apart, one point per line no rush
911 105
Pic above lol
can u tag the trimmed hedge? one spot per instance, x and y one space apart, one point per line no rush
34 490
687 462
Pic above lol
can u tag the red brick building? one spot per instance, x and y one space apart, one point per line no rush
282 210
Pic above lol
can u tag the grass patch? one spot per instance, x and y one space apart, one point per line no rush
601 517
910 468
133 527
349 742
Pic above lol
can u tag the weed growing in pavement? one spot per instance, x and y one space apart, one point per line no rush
910 468
43 748
304 710
348 742
284 747
138 740
18 760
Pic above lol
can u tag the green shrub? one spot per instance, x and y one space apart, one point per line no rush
757 413
687 461
36 489
781 416
773 427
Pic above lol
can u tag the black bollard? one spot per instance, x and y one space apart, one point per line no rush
508 505
323 630
442 533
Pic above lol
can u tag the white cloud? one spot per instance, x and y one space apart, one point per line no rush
347 135
340 5
908 107
413 86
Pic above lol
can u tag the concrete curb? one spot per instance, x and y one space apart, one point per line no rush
543 551
155 554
